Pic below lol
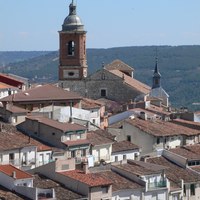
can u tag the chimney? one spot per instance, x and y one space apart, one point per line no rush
143 115
14 174
85 168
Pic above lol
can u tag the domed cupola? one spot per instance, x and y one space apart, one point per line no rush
72 22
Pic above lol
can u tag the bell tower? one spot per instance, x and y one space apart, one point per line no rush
72 51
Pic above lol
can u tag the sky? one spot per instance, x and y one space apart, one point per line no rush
29 25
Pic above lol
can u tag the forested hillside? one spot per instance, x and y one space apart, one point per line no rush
178 65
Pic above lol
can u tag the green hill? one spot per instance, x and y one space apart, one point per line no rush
178 65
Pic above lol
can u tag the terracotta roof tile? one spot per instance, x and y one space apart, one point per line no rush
8 135
16 109
90 104
174 172
60 191
119 65
161 128
71 143
91 179
191 152
123 146
189 124
9 169
141 168
56 124
137 85
99 137
119 182
43 93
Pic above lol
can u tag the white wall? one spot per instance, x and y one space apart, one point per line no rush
129 155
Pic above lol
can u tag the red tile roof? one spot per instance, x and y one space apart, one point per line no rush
141 168
137 85
15 109
91 179
119 182
174 172
191 152
123 146
9 169
71 143
8 136
99 137
119 65
161 128
43 93
90 104
56 124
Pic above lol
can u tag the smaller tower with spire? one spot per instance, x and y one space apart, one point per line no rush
156 76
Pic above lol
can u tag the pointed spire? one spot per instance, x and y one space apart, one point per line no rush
156 75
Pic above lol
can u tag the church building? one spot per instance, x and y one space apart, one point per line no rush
114 81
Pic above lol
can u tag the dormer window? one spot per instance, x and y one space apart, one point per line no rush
71 48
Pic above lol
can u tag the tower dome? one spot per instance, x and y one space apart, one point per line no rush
72 22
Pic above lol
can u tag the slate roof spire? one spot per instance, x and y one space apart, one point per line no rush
156 76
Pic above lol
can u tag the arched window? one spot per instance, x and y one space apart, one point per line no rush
71 48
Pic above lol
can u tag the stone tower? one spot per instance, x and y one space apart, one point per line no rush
156 76
72 53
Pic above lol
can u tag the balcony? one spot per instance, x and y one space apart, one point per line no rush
157 185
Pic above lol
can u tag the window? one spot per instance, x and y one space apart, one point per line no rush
116 158
124 157
11 156
93 121
103 93
184 190
71 48
104 189
1 157
158 140
68 137
192 189
83 152
53 133
78 137
129 138
73 154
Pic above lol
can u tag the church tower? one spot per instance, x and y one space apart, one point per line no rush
72 52
156 77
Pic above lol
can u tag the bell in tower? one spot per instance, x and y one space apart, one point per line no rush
72 51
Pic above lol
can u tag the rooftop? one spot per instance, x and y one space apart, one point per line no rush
191 152
100 137
119 182
91 179
90 104
119 65
137 85
56 124
141 168
79 142
61 192
123 146
8 135
43 93
10 169
174 172
161 128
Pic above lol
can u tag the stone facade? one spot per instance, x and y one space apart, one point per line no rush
103 84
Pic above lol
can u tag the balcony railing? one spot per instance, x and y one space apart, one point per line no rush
156 185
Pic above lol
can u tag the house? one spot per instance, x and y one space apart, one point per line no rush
124 150
70 137
93 186
124 188
184 182
21 182
16 81
151 176
24 153
13 114
6 90
152 135
61 192
101 145
42 96
98 113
